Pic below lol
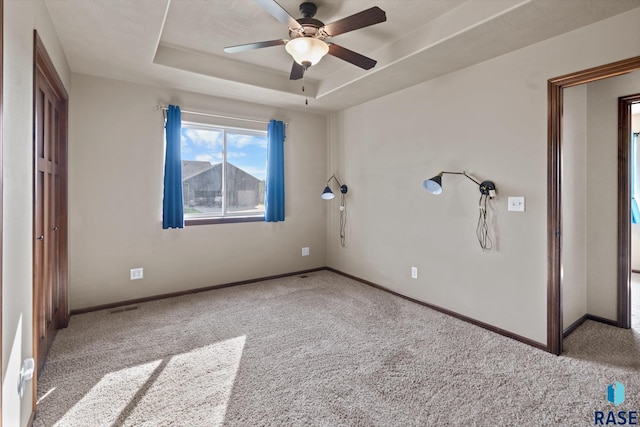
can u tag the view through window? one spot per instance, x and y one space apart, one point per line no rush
223 171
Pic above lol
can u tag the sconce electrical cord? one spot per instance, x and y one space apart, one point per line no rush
343 218
482 231
487 191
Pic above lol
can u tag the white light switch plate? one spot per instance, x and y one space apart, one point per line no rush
516 204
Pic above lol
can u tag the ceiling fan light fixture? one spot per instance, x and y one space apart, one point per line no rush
307 51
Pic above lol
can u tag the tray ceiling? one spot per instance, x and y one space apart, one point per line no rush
178 43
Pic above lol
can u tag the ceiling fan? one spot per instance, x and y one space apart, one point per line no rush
308 36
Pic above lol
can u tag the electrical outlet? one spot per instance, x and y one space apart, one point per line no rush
136 273
305 251
414 272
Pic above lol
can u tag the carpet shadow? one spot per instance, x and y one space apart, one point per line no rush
142 391
604 344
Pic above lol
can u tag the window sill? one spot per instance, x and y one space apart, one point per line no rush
222 220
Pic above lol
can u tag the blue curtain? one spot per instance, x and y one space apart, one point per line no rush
635 212
172 212
274 198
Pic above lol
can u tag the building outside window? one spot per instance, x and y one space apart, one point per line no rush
223 171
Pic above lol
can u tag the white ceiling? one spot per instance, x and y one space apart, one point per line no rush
179 43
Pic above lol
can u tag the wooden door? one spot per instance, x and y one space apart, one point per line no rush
50 207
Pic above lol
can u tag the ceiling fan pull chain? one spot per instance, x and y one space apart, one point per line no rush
306 98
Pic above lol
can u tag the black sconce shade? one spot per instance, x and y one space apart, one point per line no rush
434 185
327 194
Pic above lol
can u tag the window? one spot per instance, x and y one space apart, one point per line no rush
223 173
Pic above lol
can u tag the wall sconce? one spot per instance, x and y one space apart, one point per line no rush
434 185
327 194
487 191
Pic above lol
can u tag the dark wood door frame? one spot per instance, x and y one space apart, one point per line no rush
624 208
1 173
555 88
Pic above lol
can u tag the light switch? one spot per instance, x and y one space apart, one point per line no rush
516 204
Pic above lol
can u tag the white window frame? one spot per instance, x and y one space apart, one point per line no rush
224 217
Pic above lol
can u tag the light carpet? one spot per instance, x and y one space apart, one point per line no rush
322 350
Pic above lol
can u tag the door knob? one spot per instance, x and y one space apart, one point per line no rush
56 228
40 237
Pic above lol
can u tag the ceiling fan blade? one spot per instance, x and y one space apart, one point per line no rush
279 13
371 16
297 71
252 46
351 56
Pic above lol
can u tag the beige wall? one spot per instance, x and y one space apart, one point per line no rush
574 205
116 151
20 19
489 119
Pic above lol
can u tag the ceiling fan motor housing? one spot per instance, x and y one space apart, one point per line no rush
310 27
308 9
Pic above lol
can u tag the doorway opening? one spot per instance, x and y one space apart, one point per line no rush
633 127
554 202
628 211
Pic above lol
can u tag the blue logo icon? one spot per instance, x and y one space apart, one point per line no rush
615 393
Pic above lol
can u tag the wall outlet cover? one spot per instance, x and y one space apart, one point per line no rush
136 273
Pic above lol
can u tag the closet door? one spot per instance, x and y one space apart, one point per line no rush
50 210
